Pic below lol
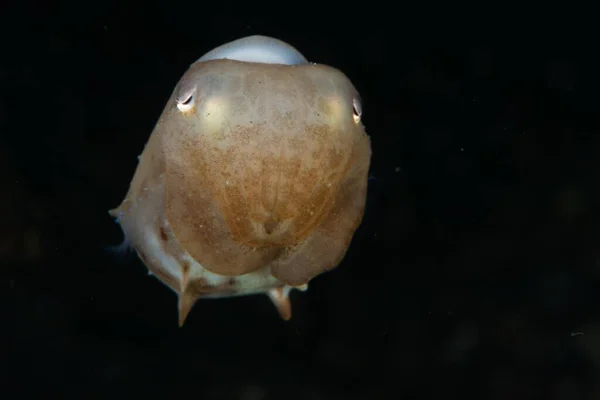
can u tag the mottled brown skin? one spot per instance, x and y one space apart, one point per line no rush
280 183
267 169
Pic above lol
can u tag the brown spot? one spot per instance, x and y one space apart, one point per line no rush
270 225
185 267
163 234
200 287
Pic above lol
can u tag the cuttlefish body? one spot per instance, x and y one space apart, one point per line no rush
254 179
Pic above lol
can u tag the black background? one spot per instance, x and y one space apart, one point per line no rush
475 270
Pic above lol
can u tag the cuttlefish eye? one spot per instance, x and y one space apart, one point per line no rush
185 102
356 110
256 183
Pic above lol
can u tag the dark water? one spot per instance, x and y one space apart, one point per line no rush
475 271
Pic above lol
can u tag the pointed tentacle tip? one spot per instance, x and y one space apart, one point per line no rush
185 305
281 299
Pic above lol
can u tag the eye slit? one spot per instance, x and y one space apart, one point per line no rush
356 110
186 101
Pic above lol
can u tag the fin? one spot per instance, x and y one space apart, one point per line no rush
280 297
120 251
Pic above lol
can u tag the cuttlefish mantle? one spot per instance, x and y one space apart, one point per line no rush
254 178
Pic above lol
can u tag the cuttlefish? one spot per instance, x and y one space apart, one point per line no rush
254 179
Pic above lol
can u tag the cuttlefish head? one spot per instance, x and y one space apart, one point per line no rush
254 179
